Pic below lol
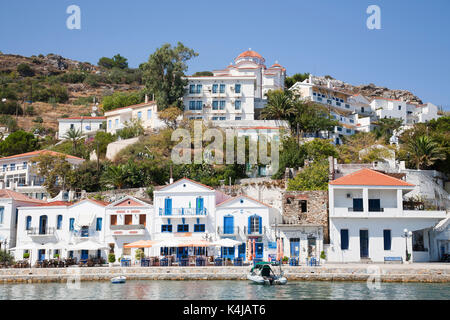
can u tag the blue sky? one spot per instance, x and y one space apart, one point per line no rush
411 51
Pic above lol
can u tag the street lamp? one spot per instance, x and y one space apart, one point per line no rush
406 234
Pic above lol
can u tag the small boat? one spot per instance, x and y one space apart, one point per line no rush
119 279
262 273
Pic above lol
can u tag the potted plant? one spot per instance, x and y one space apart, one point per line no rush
111 259
139 254
26 255
56 256
285 260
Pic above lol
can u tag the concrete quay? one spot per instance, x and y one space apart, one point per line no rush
420 272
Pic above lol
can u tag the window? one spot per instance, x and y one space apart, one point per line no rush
98 226
237 118
113 220
222 88
237 105
199 88
344 239
215 105
5 167
12 166
358 204
228 225
303 205
149 114
374 205
139 115
142 219
222 104
128 219
338 103
399 107
183 228
192 88
223 118
72 126
215 118
237 88
255 225
59 222
387 239
362 109
116 123
24 165
339 129
109 123
199 105
71 224
199 228
348 130
166 228
214 88
191 105
2 209
347 106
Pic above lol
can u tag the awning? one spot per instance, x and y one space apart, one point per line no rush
84 219
442 225
141 244
226 243
87 245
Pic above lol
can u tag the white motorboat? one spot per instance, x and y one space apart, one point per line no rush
262 273
119 279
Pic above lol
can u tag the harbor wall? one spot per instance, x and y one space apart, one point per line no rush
385 273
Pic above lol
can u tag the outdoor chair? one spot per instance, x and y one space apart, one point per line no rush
218 262
184 262
200 262
164 262
237 262
145 262
293 261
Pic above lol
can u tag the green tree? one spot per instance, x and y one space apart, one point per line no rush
18 142
312 177
291 156
163 74
122 99
170 116
298 77
101 140
87 177
311 118
203 74
9 122
424 152
132 128
318 149
280 105
75 136
116 62
385 128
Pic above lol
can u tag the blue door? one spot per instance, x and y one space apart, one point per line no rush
168 206
364 243
228 225
42 224
295 247
199 207
84 254
41 254
227 252
259 250
241 251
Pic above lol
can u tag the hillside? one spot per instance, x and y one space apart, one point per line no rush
82 80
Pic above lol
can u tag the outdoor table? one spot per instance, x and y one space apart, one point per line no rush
164 262
184 262
237 262
293 261
125 262
200 262
218 262
145 262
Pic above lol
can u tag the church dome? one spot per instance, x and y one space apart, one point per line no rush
251 54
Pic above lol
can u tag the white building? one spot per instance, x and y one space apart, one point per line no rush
235 92
409 113
20 174
74 230
128 220
87 125
10 201
146 113
368 219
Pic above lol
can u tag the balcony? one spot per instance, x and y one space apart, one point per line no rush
254 233
127 227
128 230
41 233
342 212
221 231
183 212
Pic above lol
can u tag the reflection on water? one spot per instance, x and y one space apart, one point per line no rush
223 290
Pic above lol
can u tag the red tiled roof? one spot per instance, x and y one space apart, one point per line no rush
102 203
250 53
38 152
368 177
10 194
83 118
204 185
55 204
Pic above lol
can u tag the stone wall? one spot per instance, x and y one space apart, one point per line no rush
316 209
116 194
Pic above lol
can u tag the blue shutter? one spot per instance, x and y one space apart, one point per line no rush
168 206
199 209
249 224
344 239
228 225
260 225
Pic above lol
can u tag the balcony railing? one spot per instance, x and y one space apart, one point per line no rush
227 231
249 232
183 212
83 233
127 227
41 231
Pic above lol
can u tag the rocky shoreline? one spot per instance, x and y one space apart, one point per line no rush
429 273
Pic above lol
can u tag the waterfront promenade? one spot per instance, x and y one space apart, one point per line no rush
419 272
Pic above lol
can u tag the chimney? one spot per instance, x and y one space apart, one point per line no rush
310 79
171 178
331 168
146 98
329 83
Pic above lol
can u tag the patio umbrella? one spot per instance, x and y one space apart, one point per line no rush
169 243
141 244
196 243
225 243
88 245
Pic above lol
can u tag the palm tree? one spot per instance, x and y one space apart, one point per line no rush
75 136
424 152
115 176
280 105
